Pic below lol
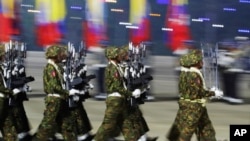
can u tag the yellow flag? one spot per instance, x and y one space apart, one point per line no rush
137 11
8 8
58 10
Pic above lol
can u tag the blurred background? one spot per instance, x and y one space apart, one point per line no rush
163 23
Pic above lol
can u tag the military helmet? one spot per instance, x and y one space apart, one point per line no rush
192 58
53 51
123 50
2 49
111 52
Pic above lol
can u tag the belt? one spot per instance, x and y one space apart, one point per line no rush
55 95
201 101
114 94
1 95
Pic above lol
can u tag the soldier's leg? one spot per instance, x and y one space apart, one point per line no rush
112 115
47 129
8 129
189 119
83 123
205 131
68 123
21 122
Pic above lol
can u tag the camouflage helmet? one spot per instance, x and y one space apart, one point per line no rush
53 51
111 52
123 50
192 58
2 49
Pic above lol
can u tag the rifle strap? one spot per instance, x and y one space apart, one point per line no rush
58 71
120 71
3 80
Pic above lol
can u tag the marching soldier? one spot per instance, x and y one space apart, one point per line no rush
116 113
82 122
135 113
6 119
56 113
192 116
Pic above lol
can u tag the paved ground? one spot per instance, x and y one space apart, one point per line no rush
159 113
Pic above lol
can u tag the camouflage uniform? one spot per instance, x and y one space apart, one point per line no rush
6 119
192 116
116 113
135 113
57 112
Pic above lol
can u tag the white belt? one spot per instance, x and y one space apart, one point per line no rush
55 95
115 94
1 95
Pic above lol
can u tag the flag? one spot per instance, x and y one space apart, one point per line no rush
94 24
139 18
48 21
177 20
6 19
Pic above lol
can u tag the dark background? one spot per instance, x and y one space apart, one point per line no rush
118 34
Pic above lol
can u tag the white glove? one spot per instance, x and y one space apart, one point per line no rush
218 93
126 72
16 91
73 91
82 92
76 97
136 93
21 70
90 86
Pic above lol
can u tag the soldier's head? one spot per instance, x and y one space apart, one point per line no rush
54 52
112 53
2 51
123 53
192 59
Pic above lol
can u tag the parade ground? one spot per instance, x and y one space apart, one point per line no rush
159 112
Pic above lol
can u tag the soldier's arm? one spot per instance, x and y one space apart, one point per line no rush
197 86
114 81
52 83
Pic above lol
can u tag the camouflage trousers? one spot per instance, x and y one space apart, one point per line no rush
116 114
138 121
56 115
21 119
82 122
191 118
7 126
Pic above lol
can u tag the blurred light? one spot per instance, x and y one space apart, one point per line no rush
132 27
125 23
155 14
218 25
205 19
244 1
76 7
117 10
162 1
244 30
111 1
167 29
76 18
197 20
34 11
229 9
26 5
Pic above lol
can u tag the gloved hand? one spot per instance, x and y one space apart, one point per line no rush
76 98
218 93
16 91
82 92
90 86
136 93
73 91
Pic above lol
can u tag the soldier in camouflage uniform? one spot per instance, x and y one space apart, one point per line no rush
7 127
135 113
56 113
192 116
82 122
116 113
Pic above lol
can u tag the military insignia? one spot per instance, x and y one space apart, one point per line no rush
53 73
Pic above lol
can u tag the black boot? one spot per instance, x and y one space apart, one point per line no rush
28 137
